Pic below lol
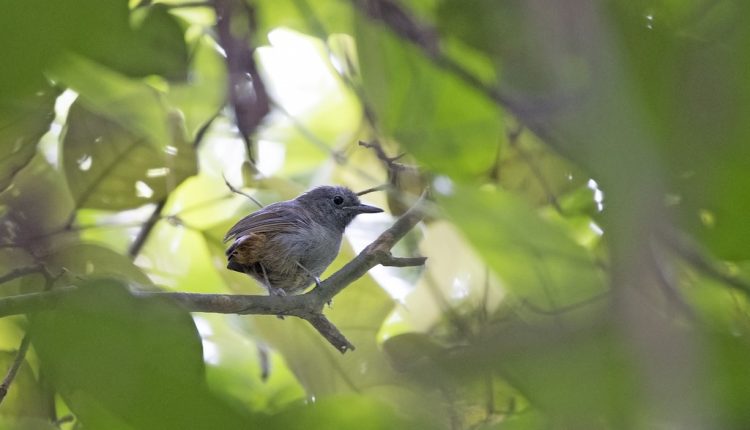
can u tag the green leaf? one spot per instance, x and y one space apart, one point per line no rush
38 206
131 104
538 260
205 92
22 124
83 260
25 396
344 412
442 121
27 424
158 47
111 167
318 18
124 362
37 32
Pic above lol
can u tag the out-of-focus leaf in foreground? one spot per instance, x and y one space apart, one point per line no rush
124 362
538 260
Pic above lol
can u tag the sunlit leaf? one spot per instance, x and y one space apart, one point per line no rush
110 167
204 93
131 104
243 369
316 18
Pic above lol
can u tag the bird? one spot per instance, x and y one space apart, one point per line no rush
287 245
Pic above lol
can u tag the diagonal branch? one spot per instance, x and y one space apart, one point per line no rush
17 362
308 306
401 22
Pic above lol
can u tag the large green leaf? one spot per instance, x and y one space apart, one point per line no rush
124 362
110 167
22 123
37 32
131 104
445 123
538 260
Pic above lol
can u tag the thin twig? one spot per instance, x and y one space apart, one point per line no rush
374 189
242 193
567 308
148 226
21 272
20 356
140 240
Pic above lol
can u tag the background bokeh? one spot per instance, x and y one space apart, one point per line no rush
587 232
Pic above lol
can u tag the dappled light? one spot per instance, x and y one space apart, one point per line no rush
564 241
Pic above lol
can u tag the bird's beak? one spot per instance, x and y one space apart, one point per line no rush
363 209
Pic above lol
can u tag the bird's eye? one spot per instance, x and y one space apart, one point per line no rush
337 200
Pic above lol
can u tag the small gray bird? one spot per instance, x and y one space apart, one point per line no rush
286 246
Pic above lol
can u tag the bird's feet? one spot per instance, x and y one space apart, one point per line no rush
273 291
278 292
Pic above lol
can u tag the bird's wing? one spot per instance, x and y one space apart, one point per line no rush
271 219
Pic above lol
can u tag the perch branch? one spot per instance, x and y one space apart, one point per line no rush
308 306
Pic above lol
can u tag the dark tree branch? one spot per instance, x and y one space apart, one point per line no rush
700 260
308 306
148 226
246 90
329 331
140 240
426 37
21 272
5 385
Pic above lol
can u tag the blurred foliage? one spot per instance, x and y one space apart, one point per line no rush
586 231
